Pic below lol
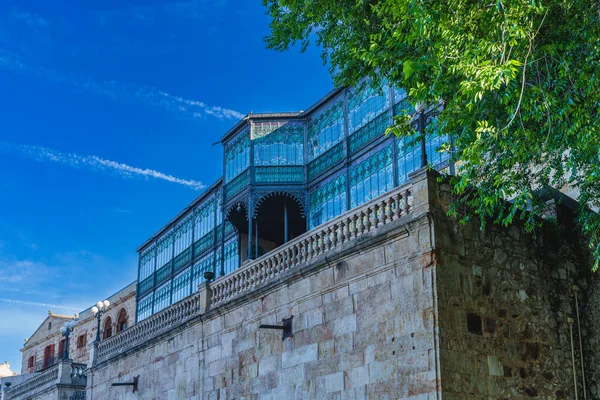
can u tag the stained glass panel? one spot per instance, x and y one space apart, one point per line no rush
164 250
144 307
204 218
365 103
236 185
147 262
183 235
328 201
371 177
145 285
231 256
325 161
206 263
181 285
279 174
325 129
237 155
162 297
278 143
373 130
409 153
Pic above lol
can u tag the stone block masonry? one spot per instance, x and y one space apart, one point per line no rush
417 307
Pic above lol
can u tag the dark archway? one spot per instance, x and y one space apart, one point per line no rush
278 219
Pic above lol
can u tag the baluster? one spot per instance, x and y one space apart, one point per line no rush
399 205
368 215
290 257
409 200
310 251
321 241
334 236
328 237
376 209
361 225
388 210
347 229
295 252
341 234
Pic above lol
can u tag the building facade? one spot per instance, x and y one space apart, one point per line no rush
390 300
283 174
324 227
43 353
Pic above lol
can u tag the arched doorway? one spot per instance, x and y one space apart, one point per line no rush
107 328
278 218
122 321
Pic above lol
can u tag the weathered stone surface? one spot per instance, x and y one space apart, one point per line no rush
389 319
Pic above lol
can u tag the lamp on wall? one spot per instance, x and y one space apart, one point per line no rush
99 309
66 330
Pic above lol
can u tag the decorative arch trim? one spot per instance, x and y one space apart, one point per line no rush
298 197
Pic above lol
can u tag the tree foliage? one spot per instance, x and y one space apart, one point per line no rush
520 82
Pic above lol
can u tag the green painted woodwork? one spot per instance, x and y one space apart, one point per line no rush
371 131
325 161
279 174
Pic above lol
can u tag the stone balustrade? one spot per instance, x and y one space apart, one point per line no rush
33 385
347 227
299 251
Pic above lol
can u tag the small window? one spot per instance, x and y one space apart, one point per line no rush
31 362
474 323
49 325
81 341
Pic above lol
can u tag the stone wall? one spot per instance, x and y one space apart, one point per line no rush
505 299
415 309
363 327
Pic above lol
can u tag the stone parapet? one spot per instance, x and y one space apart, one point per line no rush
311 248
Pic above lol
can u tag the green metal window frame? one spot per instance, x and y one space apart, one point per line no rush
162 297
328 201
325 161
278 143
372 177
326 129
236 185
293 174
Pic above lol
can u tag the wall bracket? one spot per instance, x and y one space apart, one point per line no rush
286 328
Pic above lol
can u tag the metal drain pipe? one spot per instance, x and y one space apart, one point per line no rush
570 321
575 294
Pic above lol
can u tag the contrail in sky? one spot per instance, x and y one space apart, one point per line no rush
120 91
93 163
35 304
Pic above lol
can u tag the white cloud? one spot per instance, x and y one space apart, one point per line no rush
121 92
94 163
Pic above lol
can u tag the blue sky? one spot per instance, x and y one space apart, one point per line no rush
108 113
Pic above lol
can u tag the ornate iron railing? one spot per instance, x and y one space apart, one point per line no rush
145 285
182 259
279 174
164 272
325 161
204 243
236 185
33 385
374 129
299 251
